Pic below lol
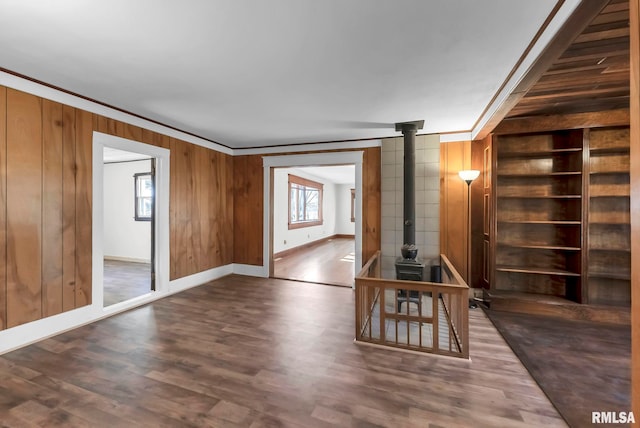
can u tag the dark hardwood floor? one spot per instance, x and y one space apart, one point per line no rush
330 262
582 366
251 352
125 280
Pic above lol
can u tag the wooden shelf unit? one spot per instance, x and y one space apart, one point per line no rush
561 215
607 229
538 222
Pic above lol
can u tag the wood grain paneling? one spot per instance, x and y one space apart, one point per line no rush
487 211
173 208
592 73
84 190
579 22
24 208
228 231
634 12
3 206
50 192
220 208
477 152
618 117
123 130
371 202
201 209
248 209
193 201
454 156
182 245
68 208
128 131
51 208
155 139
210 198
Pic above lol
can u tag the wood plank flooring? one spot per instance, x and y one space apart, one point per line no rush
125 280
251 352
331 262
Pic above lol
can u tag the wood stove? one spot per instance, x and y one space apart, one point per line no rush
408 266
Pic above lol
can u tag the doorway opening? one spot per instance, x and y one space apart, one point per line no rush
129 265
272 164
314 224
129 200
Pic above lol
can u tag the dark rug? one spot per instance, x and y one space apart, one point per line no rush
581 366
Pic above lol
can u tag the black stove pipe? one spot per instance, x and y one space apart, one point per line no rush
409 130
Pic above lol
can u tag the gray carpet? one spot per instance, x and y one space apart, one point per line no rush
581 366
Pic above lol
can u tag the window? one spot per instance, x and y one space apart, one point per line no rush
305 202
143 196
353 205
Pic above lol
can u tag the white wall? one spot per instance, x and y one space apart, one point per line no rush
344 225
427 187
297 237
124 237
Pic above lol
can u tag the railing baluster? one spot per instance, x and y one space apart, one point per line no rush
420 297
435 316
383 332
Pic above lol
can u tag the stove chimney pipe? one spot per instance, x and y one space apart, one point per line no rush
409 130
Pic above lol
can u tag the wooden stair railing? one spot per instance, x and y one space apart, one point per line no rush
439 324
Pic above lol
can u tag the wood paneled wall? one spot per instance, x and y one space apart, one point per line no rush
481 211
201 201
202 214
3 204
248 206
46 197
248 209
634 15
454 156
371 202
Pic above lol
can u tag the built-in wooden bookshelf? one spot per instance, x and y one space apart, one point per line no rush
538 191
608 218
561 224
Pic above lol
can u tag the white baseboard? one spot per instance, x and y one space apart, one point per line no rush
250 270
199 278
126 259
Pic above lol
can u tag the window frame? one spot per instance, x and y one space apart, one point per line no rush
136 197
305 183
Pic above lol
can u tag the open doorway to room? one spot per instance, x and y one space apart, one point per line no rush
129 218
314 224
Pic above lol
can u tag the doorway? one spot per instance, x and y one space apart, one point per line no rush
128 188
128 265
314 224
271 163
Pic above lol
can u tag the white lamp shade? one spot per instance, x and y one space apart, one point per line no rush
469 175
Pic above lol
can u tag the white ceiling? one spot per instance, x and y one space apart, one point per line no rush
256 73
110 155
337 174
